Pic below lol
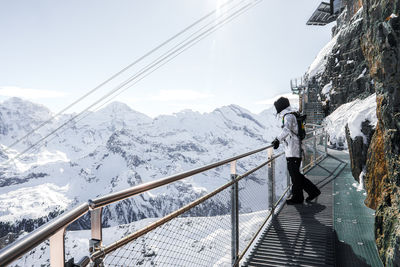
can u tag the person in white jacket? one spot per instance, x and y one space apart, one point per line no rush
292 145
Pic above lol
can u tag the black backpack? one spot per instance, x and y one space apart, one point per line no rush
301 121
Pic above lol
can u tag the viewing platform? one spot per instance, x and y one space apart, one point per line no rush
336 229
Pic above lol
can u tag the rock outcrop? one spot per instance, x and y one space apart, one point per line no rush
358 148
346 70
380 42
346 77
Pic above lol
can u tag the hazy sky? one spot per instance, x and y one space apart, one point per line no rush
52 52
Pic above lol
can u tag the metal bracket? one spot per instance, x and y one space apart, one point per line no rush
94 246
57 248
97 235
96 228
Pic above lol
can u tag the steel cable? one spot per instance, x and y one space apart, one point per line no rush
145 72
118 74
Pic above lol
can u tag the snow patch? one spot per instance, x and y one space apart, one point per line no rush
353 114
327 88
33 202
360 186
362 73
319 63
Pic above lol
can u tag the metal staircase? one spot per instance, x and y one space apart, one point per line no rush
309 103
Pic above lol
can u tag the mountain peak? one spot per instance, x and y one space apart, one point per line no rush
117 106
121 111
17 102
31 109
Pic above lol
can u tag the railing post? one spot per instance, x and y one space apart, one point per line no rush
234 215
271 181
57 249
97 235
326 142
315 146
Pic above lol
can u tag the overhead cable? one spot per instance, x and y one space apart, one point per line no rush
144 72
118 74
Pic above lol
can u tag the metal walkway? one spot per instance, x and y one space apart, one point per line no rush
305 235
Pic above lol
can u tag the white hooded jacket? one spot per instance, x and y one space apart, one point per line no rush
288 136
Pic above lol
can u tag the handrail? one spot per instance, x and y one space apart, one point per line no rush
117 196
139 233
16 250
313 137
314 125
58 225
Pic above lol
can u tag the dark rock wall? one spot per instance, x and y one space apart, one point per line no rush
348 71
358 148
380 42
365 60
346 66
376 169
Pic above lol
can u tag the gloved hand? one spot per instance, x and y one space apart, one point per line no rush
275 143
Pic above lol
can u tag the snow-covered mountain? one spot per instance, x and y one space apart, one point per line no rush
115 148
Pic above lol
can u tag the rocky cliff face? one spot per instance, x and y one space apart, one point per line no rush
345 77
364 58
358 149
381 47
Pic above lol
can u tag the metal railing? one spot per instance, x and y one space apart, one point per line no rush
55 230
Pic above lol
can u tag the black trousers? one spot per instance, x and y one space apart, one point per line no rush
299 181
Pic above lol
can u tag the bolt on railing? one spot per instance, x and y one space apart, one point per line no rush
55 230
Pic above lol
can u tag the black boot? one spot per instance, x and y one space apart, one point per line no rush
313 196
294 201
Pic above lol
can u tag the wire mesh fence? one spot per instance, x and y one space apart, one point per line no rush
204 240
254 199
253 205
202 234
313 147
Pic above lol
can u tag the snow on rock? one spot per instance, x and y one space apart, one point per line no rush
319 63
327 88
353 114
362 73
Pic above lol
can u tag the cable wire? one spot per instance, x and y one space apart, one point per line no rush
143 71
118 74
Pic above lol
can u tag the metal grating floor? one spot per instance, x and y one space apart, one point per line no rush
302 235
353 223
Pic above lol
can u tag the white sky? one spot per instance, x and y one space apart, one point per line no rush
52 52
